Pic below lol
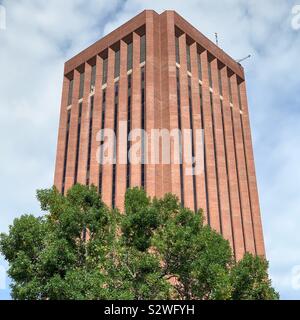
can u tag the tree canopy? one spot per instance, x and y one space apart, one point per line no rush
80 249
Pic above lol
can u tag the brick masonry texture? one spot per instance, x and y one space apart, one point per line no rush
216 102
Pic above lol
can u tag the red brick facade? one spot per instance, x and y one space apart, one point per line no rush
212 97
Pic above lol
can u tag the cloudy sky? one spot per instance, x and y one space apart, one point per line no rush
41 35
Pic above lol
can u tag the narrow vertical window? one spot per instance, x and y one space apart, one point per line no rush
129 56
88 167
114 182
188 57
245 159
237 169
143 121
117 64
220 82
93 77
128 129
66 152
201 106
177 50
216 159
239 95
143 48
81 85
180 138
204 153
102 137
227 169
78 142
70 93
230 90
210 75
192 140
199 66
104 73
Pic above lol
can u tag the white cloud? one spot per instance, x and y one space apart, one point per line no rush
41 35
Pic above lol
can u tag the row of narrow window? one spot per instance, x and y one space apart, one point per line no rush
105 69
129 66
129 125
188 57
116 103
210 78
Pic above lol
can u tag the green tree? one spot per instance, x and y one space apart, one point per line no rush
80 249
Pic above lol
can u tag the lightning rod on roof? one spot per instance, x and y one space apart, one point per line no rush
243 59
217 39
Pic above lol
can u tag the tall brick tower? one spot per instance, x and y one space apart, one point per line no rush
159 72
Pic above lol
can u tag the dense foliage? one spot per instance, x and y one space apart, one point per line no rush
81 249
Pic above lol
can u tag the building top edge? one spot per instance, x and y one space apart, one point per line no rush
140 20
